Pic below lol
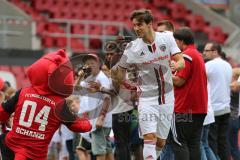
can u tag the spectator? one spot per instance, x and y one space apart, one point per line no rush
234 117
67 139
54 147
83 148
81 143
98 104
219 73
190 109
206 151
165 25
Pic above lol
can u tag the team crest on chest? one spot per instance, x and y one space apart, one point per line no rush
162 47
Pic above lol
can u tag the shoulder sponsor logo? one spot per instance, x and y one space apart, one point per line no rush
162 47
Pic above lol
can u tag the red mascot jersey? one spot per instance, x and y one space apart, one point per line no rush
39 111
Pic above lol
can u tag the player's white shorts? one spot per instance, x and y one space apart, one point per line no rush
155 119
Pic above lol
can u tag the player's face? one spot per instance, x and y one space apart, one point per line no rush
141 28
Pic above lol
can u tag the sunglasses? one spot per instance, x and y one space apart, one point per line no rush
208 50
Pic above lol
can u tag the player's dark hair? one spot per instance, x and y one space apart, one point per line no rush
184 34
167 23
142 15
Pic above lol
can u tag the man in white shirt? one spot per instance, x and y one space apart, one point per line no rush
151 53
97 106
219 73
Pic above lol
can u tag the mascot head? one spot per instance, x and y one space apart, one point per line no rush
53 73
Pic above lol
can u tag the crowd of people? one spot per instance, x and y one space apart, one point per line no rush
155 97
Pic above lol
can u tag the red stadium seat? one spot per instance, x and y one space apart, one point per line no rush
48 42
41 27
178 11
161 4
77 44
95 29
111 30
24 82
42 5
141 4
107 10
25 68
17 70
97 14
196 22
61 42
118 6
78 28
215 34
107 5
95 44
5 68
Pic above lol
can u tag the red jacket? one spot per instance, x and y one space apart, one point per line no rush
192 97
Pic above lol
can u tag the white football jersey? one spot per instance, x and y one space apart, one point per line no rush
153 63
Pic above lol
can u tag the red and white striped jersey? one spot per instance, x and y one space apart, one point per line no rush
153 63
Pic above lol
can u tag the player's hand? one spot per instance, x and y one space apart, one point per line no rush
100 121
173 66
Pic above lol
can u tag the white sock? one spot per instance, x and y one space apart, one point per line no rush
149 150
158 151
